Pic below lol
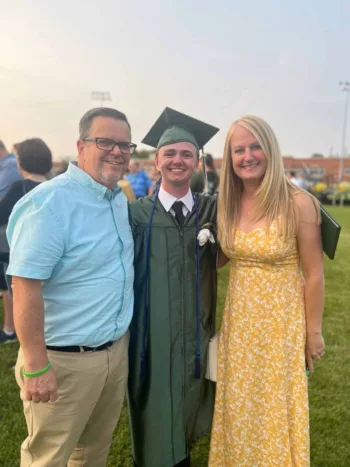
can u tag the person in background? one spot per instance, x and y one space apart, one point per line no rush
155 178
59 168
34 160
272 322
291 177
125 185
9 173
297 179
73 298
139 180
212 176
197 181
300 181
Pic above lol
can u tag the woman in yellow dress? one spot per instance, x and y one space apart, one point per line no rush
272 322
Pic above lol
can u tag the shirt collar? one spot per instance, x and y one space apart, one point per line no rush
168 200
85 180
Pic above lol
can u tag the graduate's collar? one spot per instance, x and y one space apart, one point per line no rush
168 200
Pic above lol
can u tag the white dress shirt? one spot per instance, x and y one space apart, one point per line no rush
168 200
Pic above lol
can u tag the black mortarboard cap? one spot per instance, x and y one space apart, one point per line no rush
174 127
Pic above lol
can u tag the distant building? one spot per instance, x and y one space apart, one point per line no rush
319 169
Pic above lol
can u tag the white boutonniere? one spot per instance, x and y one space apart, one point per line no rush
205 234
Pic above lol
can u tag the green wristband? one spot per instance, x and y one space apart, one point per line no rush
37 373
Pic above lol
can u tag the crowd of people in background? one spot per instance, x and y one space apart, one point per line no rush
28 165
139 183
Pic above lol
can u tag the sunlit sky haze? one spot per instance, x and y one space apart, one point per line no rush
213 60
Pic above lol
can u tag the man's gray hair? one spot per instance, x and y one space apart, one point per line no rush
86 121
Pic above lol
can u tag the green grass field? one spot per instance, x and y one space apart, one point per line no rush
329 386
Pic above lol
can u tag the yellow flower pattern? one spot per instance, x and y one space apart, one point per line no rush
261 412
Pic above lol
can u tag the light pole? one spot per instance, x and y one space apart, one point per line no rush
101 96
346 88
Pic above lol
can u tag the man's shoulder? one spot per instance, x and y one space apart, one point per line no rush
140 210
143 205
59 184
55 193
9 160
9 167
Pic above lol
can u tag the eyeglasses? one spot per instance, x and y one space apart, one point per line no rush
106 144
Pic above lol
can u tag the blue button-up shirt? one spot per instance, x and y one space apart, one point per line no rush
140 182
74 235
9 173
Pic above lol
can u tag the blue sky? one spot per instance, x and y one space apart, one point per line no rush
214 60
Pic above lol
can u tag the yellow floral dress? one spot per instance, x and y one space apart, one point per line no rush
261 412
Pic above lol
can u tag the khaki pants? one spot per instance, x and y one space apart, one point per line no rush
77 429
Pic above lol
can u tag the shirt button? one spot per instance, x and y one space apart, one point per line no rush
99 197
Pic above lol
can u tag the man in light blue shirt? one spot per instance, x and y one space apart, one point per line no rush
72 266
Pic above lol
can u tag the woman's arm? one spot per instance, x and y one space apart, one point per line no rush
311 258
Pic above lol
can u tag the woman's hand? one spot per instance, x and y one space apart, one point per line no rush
314 348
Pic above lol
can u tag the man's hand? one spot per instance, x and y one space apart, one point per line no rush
41 388
28 311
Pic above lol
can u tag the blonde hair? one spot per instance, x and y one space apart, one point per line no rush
274 196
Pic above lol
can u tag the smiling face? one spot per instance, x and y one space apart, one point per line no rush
176 163
105 167
248 158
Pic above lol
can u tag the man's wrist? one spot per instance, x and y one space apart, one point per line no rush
35 361
37 373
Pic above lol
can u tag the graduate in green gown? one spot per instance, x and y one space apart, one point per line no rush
170 401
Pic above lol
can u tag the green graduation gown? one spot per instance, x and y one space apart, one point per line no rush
170 409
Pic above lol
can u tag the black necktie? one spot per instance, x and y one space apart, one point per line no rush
177 206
